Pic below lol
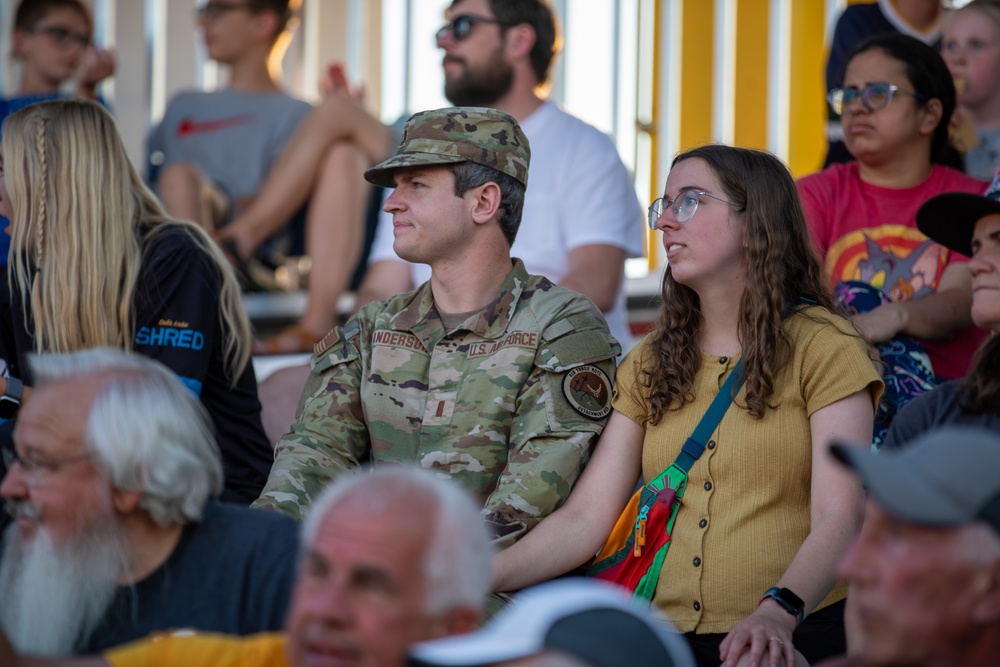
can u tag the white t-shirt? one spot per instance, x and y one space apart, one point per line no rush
579 193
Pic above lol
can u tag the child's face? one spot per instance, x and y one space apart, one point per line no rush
52 49
232 31
877 136
971 49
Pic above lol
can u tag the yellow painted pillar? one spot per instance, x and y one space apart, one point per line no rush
750 94
698 20
807 112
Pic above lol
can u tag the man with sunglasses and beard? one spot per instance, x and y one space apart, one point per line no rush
581 218
114 535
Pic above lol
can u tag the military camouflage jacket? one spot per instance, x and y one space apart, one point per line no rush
509 404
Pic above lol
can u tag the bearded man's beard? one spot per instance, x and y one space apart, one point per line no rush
53 596
482 87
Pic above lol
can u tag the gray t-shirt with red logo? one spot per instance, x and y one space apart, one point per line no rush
233 137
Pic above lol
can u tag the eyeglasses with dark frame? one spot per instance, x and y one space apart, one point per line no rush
684 206
34 468
873 97
62 36
213 10
461 26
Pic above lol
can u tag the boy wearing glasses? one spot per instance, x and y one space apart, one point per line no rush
52 42
213 150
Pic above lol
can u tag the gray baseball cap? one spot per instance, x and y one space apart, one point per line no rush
948 477
458 134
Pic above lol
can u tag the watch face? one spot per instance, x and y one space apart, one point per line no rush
8 407
794 600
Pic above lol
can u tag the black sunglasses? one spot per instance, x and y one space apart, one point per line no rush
461 26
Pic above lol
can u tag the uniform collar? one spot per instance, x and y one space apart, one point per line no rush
421 318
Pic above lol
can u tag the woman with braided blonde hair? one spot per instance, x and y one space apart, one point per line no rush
96 261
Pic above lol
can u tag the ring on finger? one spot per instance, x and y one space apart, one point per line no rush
777 639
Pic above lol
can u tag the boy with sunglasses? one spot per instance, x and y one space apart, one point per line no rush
52 42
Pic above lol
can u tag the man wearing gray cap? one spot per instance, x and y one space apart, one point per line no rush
925 570
496 378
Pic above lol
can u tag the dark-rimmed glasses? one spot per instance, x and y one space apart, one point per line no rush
460 26
874 96
34 469
684 206
63 36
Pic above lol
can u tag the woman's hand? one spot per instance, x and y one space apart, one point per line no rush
762 638
880 324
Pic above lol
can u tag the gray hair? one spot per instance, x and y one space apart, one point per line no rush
470 175
458 563
147 431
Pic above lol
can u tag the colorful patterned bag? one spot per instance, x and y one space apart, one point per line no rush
633 554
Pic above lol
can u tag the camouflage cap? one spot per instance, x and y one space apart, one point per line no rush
488 137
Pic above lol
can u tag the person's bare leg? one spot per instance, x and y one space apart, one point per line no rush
383 280
335 227
335 224
186 194
279 397
296 173
179 186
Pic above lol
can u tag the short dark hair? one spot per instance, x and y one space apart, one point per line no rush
928 75
285 10
470 175
539 15
30 12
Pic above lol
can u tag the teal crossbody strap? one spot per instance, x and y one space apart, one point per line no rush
695 444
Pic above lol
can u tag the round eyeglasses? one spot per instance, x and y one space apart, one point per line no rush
63 37
36 469
684 206
874 96
460 26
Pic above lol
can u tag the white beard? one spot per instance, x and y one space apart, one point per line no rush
52 597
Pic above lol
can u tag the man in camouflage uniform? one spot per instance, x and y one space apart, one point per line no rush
495 378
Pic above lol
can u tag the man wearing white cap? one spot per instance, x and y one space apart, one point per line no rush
925 570
564 623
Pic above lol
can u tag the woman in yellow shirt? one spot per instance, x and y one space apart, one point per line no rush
765 506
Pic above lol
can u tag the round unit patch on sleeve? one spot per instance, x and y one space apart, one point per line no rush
588 389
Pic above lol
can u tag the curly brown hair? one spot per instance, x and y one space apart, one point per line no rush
782 272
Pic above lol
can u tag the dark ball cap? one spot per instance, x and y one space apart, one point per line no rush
951 218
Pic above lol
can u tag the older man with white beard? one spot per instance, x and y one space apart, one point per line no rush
114 534
389 558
